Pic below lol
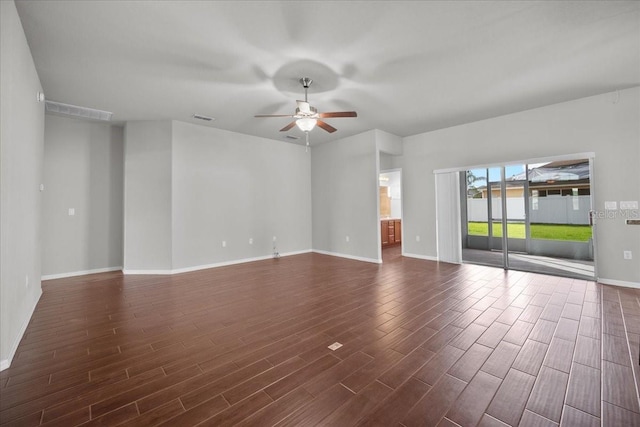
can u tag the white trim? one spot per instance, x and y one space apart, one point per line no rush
614 282
378 228
154 272
6 363
214 265
435 205
357 258
587 155
391 170
80 273
425 257
594 226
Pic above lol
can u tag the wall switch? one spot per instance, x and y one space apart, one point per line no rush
347 238
274 238
251 240
627 255
72 211
41 187
224 243
610 206
417 238
629 204
26 281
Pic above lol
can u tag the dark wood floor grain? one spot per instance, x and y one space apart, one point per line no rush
423 344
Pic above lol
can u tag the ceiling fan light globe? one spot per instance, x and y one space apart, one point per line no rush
306 124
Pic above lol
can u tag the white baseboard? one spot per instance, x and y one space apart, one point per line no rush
150 272
427 257
80 273
606 281
357 258
214 265
6 363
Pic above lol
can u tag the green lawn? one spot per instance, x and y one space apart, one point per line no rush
578 233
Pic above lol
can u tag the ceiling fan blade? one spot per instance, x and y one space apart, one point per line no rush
289 126
326 126
273 115
337 114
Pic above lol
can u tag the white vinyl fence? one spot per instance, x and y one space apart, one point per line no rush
544 210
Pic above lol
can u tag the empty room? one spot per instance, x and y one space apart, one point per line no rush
337 213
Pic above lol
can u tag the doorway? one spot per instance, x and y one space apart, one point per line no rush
390 215
531 216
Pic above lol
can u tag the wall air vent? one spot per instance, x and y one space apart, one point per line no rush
74 110
201 117
291 137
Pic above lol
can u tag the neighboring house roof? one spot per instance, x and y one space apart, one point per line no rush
566 173
572 170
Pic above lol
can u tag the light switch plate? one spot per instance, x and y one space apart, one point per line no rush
611 206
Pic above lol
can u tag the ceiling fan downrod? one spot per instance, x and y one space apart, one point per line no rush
305 82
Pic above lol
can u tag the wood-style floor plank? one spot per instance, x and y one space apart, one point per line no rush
509 402
423 343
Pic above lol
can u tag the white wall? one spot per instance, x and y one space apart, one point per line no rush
596 124
345 197
21 151
388 143
83 170
189 187
233 187
147 196
386 161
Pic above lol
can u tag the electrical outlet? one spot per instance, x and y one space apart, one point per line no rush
347 238
417 238
274 238
72 211
251 240
627 255
224 243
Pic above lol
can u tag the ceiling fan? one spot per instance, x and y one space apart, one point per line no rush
307 117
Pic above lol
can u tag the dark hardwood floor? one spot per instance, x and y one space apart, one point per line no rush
423 344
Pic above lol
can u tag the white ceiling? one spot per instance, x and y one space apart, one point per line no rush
405 67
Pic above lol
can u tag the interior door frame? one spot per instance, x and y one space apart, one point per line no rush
593 221
380 172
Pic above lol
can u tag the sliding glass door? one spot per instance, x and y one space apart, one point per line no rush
532 217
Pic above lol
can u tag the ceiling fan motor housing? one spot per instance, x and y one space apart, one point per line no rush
306 110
